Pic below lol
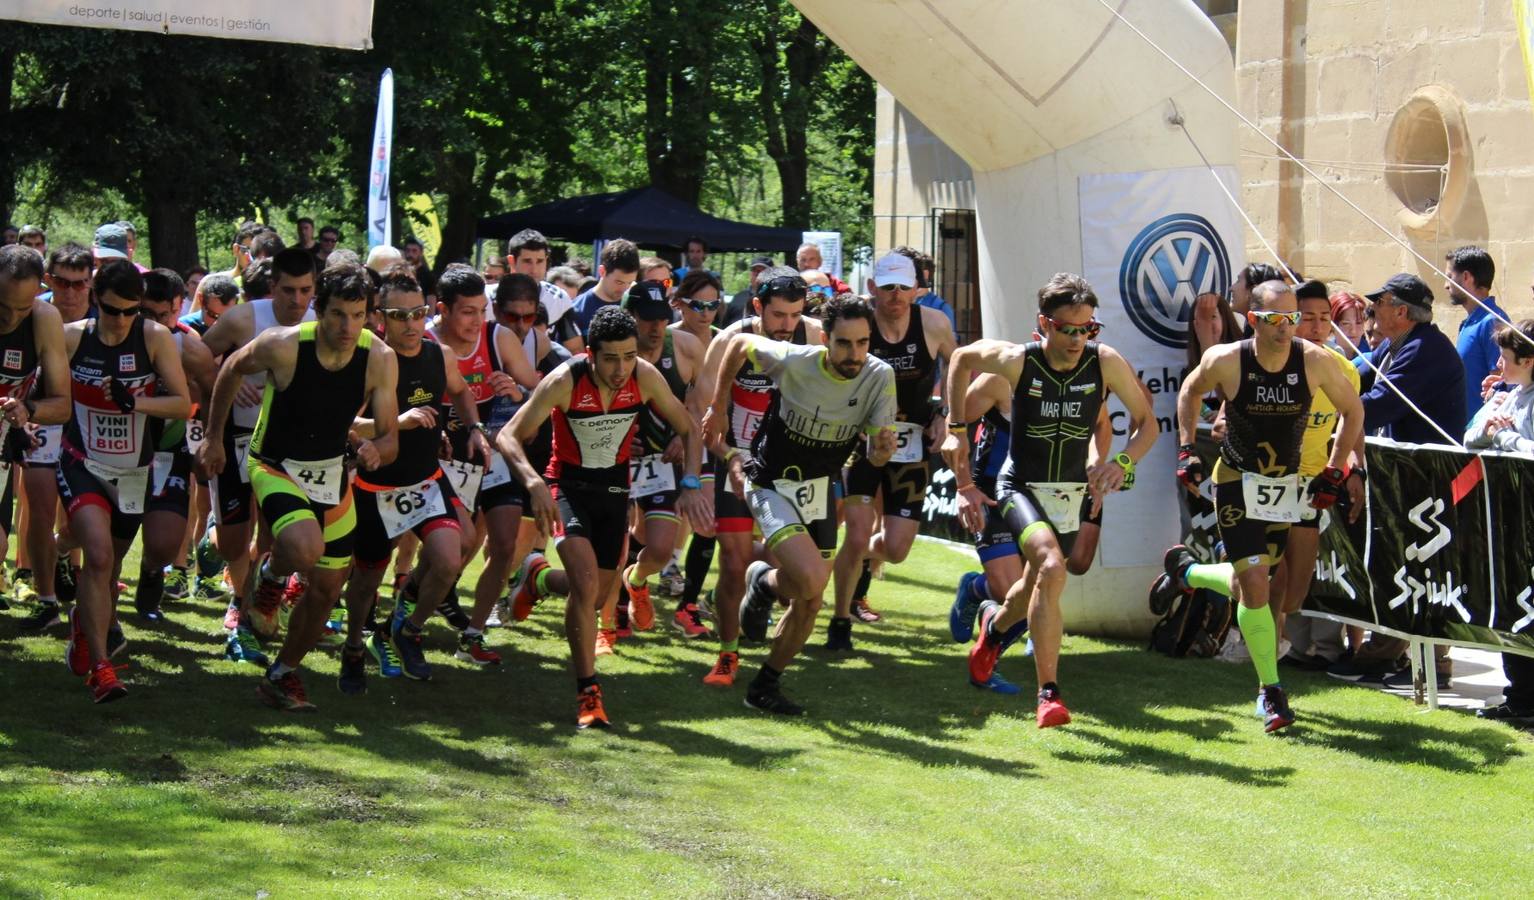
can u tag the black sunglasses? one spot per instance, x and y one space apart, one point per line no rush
119 310
703 306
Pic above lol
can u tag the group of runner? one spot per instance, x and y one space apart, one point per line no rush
336 421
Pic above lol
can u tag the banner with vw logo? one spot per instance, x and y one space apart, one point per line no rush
1150 243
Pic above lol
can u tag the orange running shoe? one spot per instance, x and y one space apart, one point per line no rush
641 610
987 647
606 638
1052 711
589 711
689 622
77 653
723 672
104 684
527 591
261 617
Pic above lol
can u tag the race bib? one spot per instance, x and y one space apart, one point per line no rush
650 475
810 498
319 479
499 473
160 472
50 440
241 454
1061 502
196 434
907 443
1270 499
128 485
465 478
402 509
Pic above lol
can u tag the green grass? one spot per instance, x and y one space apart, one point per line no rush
902 780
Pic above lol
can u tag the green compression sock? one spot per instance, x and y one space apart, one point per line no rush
729 646
1210 576
1261 637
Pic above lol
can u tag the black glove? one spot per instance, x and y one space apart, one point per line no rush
1190 468
1327 488
17 443
120 395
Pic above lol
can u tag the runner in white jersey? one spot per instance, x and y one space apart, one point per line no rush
233 510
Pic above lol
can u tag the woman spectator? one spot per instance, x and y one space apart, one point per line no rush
1349 314
1213 322
1506 420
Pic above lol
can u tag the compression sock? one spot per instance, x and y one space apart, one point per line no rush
861 591
1261 637
730 646
980 589
1215 577
700 557
542 583
767 677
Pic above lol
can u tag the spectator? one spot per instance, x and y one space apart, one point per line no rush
415 258
694 255
653 268
193 277
10 236
580 265
1350 316
383 257
495 267
735 310
257 279
329 237
1248 278
33 237
111 243
1506 422
616 274
566 279
1471 271
1213 322
808 257
528 252
820 290
69 280
306 234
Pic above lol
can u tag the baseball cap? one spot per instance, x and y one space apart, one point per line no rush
893 268
647 300
111 242
762 262
1406 288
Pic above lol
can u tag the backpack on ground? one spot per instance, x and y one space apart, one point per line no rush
1196 625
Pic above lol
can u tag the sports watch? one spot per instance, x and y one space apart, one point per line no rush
691 482
1127 463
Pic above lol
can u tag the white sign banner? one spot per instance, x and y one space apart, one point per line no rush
380 215
830 244
1150 243
336 23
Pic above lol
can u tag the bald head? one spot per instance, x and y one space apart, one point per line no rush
1274 296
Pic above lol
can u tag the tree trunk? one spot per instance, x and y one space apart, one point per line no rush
465 198
787 120
172 231
7 155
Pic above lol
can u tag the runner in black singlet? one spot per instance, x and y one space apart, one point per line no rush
698 301
1046 485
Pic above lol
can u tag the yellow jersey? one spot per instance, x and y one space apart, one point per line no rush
1316 446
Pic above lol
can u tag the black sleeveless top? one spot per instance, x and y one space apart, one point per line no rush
99 430
18 360
915 369
1053 417
1265 421
422 382
310 418
654 431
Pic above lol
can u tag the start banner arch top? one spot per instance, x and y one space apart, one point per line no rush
337 23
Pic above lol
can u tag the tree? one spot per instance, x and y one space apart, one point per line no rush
792 53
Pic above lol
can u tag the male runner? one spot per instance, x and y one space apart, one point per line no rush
123 371
1046 486
318 374
778 307
828 398
411 495
1271 379
914 340
595 401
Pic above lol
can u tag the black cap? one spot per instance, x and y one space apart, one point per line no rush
765 262
647 300
1406 288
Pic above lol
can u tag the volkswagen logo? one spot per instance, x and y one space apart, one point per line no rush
1168 264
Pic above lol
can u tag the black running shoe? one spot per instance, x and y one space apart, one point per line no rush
770 699
64 580
146 599
354 676
1276 704
453 613
756 606
116 641
839 634
1175 562
46 615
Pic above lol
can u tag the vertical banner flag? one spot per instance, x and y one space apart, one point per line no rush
1150 243
830 244
1523 11
380 225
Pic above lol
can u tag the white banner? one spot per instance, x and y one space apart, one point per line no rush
335 23
1150 243
380 217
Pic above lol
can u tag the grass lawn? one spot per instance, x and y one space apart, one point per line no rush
902 780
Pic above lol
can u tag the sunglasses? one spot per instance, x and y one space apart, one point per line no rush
70 284
704 306
414 314
824 290
1092 329
1274 319
525 319
123 311
896 287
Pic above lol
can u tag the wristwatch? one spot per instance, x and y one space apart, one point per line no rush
1127 463
691 482
484 429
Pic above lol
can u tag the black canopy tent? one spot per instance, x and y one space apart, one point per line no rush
647 216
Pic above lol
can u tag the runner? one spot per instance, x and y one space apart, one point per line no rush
166 534
1271 379
698 300
123 370
829 396
411 495
233 510
778 307
914 340
595 401
215 295
318 374
1046 486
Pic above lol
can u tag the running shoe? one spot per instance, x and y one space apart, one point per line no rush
1262 703
383 653
526 596
335 630
1052 712
354 674
641 610
671 580
839 635
472 649
1175 562
209 563
232 617
606 638
689 622
177 583
961 615
589 712
624 628
117 642
262 616
864 612
46 615
242 646
211 589
1275 705
501 608
756 606
723 672
706 606
146 598
407 643
450 610
23 590
77 653
64 580
293 590
103 683
997 684
770 699
285 693
987 647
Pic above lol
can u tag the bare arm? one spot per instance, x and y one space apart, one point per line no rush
48 331
271 351
233 329
653 387
708 375
1001 358
1206 376
941 343
514 360
553 391
198 362
174 402
382 381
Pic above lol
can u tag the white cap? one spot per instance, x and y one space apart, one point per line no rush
893 268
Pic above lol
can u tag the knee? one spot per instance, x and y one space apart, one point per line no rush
501 543
811 607
299 548
897 549
1052 571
